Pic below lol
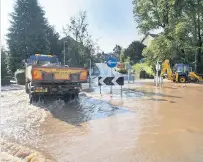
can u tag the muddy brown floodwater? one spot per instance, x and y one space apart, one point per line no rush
148 124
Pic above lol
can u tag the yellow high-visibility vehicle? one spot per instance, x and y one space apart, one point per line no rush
45 76
181 73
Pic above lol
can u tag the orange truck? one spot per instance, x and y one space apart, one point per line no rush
45 76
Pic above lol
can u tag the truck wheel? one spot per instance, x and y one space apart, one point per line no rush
77 95
26 88
36 98
67 98
33 98
182 79
72 96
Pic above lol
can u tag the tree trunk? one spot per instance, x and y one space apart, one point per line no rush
199 51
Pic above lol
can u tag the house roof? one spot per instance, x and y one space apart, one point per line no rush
152 35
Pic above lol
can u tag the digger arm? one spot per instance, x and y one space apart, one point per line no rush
166 69
193 75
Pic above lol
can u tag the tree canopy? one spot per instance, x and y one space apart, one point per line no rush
4 64
117 50
181 22
134 52
29 33
79 45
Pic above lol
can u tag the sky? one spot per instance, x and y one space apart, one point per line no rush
110 21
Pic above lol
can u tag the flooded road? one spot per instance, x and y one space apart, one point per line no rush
147 124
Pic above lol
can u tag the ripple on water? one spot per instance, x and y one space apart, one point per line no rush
19 120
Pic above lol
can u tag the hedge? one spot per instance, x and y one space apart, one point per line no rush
122 71
5 82
142 70
20 76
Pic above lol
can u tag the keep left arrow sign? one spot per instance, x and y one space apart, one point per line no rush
110 81
114 81
101 81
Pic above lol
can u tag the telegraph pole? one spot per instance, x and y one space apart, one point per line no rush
90 71
64 50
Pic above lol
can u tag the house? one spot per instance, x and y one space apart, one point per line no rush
148 39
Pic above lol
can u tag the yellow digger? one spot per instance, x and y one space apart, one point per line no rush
181 73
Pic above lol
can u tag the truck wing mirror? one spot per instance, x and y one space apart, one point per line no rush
24 62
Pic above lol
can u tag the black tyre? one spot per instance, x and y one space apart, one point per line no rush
72 96
182 79
77 95
67 98
36 98
33 98
196 80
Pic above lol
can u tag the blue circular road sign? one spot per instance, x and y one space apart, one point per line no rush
111 62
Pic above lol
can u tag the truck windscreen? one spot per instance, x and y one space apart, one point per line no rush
42 60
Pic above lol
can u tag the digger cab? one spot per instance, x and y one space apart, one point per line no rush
182 68
181 72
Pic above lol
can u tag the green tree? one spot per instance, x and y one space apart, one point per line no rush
117 50
181 22
134 51
193 16
156 14
83 47
27 34
122 56
53 38
159 50
5 73
4 65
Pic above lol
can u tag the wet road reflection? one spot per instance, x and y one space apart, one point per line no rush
148 124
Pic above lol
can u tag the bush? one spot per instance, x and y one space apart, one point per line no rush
5 81
144 75
20 76
122 71
142 70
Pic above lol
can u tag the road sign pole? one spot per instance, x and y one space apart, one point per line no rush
121 91
157 70
111 85
90 73
100 89
128 75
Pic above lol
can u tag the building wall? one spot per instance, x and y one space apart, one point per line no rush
147 41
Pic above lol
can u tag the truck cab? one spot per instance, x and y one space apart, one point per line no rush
39 59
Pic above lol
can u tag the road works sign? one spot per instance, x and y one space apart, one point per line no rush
110 81
111 62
